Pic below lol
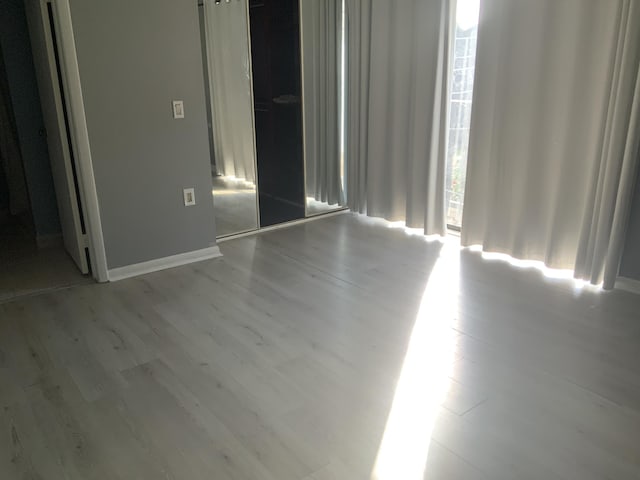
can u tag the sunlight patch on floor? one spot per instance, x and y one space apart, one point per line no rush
424 379
551 273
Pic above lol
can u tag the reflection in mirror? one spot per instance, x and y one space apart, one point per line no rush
233 164
323 40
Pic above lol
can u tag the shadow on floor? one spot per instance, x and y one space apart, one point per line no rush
27 270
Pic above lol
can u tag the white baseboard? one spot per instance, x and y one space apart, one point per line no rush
134 270
628 285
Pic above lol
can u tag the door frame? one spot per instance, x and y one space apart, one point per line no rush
79 134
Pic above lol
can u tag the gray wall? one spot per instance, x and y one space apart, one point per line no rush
135 57
25 100
630 266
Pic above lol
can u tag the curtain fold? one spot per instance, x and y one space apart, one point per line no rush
230 85
321 32
554 137
398 61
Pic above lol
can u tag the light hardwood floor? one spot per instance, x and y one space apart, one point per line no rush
27 270
283 360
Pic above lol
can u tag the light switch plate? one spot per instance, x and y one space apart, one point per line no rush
178 108
189 196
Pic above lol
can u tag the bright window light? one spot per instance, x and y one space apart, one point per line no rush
460 103
467 12
551 273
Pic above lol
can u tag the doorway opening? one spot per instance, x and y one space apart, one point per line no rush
460 104
34 255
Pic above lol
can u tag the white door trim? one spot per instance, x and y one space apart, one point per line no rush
80 138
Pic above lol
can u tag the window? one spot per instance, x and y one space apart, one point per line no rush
460 103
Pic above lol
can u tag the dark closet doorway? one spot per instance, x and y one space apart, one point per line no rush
32 255
277 90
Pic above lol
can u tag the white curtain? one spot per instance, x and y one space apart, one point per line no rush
321 53
554 132
230 85
397 112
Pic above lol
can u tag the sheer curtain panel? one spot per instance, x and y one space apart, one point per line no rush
554 132
321 32
398 58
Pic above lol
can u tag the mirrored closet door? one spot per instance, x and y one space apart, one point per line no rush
275 87
232 139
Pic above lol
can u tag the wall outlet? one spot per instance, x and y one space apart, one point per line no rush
178 108
189 196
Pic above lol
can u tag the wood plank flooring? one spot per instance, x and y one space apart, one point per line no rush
27 270
336 349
